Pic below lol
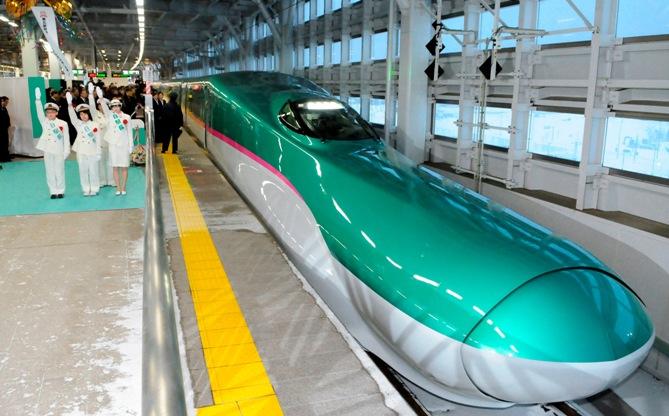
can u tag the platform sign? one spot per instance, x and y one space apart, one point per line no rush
102 74
78 72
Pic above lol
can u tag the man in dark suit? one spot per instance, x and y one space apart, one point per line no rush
174 120
159 113
5 123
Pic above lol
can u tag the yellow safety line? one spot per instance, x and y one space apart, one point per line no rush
239 382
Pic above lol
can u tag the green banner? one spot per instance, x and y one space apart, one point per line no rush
54 84
36 82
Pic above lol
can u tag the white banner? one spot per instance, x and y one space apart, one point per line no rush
47 21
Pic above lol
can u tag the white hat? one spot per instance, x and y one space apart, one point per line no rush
51 106
82 107
115 102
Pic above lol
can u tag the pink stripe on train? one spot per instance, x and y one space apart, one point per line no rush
246 152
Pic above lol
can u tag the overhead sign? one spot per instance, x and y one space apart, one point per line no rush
78 72
47 22
102 74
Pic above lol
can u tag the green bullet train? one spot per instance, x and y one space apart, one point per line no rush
464 297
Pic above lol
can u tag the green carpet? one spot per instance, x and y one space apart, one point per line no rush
23 190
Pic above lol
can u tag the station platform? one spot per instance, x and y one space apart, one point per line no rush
71 296
256 342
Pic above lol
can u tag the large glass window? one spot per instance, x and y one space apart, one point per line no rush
320 50
557 15
355 49
642 18
307 11
336 5
445 116
355 103
640 146
306 57
379 45
336 53
326 119
496 117
557 135
377 111
320 8
509 15
450 44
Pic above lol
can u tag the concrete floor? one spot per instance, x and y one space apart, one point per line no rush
311 367
70 290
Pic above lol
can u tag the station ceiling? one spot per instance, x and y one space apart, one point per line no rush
171 26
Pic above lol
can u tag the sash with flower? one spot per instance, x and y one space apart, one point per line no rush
90 132
119 123
55 130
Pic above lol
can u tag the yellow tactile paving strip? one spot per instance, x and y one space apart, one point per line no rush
239 382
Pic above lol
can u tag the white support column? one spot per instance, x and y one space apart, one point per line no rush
345 50
285 57
366 59
413 118
520 105
592 150
468 92
29 58
313 43
327 45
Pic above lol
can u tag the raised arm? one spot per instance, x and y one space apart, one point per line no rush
103 103
39 106
73 116
91 100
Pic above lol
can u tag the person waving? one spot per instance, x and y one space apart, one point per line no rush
55 143
87 146
118 134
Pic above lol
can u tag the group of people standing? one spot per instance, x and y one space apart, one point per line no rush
103 143
168 120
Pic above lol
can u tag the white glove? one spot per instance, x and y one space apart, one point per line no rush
65 155
91 88
38 93
68 97
98 91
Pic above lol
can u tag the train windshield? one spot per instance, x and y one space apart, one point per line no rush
327 120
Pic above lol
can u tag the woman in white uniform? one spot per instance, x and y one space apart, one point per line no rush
87 146
118 135
105 168
55 143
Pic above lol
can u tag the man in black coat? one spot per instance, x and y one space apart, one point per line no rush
5 122
174 120
159 115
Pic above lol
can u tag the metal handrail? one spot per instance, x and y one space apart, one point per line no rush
162 379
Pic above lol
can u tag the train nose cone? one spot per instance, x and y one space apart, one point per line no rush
564 335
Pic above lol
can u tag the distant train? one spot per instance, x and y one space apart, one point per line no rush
465 298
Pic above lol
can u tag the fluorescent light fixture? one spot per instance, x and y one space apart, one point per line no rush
321 105
140 25
12 24
103 51
4 19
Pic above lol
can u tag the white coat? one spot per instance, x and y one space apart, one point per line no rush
55 143
55 138
118 134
